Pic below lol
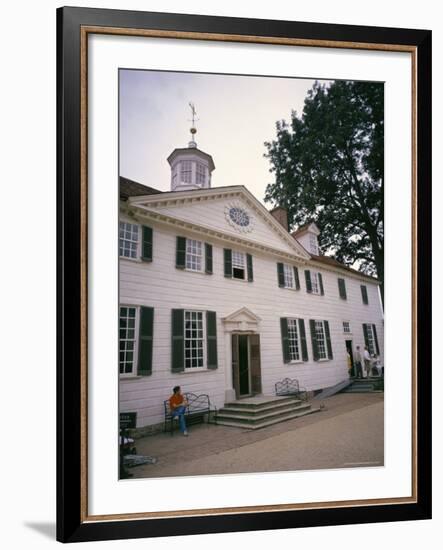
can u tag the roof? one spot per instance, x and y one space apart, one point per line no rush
130 188
327 260
303 228
192 150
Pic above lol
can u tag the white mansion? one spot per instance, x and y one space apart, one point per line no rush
218 297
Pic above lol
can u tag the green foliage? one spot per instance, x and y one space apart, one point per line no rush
328 166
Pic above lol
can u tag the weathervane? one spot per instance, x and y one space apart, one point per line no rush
193 129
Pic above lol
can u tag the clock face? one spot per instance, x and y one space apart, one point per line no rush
239 216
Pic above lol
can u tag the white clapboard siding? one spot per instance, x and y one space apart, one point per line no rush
160 285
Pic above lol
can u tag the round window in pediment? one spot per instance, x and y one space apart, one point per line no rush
239 216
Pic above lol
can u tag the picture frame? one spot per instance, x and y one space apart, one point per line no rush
74 26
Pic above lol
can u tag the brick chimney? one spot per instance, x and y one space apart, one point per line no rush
281 215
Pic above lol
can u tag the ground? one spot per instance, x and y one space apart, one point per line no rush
347 433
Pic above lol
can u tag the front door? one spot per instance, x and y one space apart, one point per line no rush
246 369
351 356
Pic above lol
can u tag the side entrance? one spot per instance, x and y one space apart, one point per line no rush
246 367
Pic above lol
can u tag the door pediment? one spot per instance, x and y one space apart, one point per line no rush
242 320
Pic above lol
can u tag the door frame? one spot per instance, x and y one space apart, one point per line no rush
235 365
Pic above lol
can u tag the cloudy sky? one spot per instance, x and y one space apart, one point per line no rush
236 115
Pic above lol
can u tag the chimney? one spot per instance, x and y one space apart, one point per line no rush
281 215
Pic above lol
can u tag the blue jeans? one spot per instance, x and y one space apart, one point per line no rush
180 412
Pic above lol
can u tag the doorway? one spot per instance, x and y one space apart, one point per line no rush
246 367
350 353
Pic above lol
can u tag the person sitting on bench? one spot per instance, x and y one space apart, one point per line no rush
177 404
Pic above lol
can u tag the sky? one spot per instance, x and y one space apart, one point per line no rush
236 115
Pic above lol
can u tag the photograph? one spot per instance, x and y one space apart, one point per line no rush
251 274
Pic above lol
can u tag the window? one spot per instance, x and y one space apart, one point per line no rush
321 339
313 244
294 340
346 327
186 171
200 175
238 265
314 283
127 339
193 255
194 342
371 340
288 272
128 240
364 294
174 177
342 288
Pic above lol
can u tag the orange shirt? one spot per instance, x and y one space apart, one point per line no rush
175 400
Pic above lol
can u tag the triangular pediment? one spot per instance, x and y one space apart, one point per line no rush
231 212
242 315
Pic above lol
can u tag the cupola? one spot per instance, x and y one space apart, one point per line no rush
191 168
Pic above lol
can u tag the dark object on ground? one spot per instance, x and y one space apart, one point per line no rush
197 408
290 386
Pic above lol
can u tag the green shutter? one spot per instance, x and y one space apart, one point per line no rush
313 339
328 340
296 278
146 244
285 339
178 341
365 334
146 329
304 347
211 339
320 282
364 294
208 258
249 266
280 275
342 289
227 253
308 280
180 253
376 339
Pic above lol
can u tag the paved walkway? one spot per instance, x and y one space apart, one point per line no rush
347 433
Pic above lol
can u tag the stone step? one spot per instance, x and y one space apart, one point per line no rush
360 389
264 424
262 409
246 417
256 403
365 380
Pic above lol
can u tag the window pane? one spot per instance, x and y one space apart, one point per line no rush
194 254
321 339
128 242
289 276
127 339
314 282
194 339
186 171
294 341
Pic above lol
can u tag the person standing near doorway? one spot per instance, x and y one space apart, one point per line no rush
177 404
358 363
367 360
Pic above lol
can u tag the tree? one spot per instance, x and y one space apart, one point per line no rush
328 166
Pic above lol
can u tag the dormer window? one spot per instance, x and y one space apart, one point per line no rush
313 244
